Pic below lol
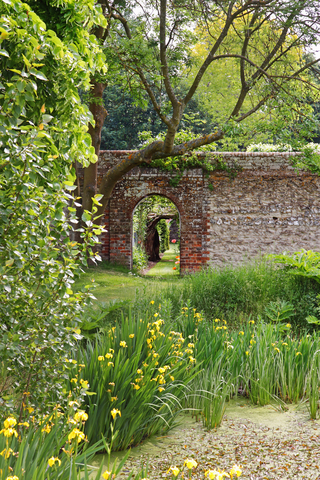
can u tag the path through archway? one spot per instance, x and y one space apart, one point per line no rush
156 235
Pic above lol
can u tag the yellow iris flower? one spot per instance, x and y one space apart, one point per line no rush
115 412
190 463
53 460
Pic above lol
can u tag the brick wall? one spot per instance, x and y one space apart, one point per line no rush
267 207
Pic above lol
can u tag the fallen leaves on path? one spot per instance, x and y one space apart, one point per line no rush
282 446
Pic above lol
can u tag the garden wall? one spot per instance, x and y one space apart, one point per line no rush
262 206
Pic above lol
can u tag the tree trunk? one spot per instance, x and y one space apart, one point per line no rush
152 241
90 181
152 245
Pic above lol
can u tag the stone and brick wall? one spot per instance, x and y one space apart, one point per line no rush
266 207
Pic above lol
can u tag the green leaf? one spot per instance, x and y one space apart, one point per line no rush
70 187
37 74
312 320
95 202
86 217
26 61
46 118
4 53
9 262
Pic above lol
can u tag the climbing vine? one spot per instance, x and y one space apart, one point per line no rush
203 158
208 163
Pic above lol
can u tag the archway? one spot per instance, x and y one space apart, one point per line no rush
156 235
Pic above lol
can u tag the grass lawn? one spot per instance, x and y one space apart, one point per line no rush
111 282
166 264
114 282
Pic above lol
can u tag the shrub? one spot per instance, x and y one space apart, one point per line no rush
139 258
43 130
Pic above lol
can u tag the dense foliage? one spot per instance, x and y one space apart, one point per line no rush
164 235
43 130
135 378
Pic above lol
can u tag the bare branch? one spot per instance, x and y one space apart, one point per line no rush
254 109
163 55
305 67
210 56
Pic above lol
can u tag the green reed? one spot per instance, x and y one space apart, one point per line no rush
140 368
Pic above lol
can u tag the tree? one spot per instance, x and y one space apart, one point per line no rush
148 46
43 126
125 120
152 43
220 88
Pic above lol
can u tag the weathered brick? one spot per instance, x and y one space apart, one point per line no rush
267 207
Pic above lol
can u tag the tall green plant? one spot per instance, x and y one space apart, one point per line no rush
141 369
303 263
54 449
43 131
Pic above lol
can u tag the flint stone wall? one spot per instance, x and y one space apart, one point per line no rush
267 207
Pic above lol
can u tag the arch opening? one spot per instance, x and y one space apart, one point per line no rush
156 236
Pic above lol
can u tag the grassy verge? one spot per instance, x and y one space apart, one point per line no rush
232 293
166 265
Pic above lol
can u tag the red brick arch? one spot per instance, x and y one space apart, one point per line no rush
126 196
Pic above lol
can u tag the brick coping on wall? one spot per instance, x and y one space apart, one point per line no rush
119 153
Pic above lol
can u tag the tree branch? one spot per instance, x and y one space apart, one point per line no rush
210 56
185 147
163 57
115 173
140 73
265 64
